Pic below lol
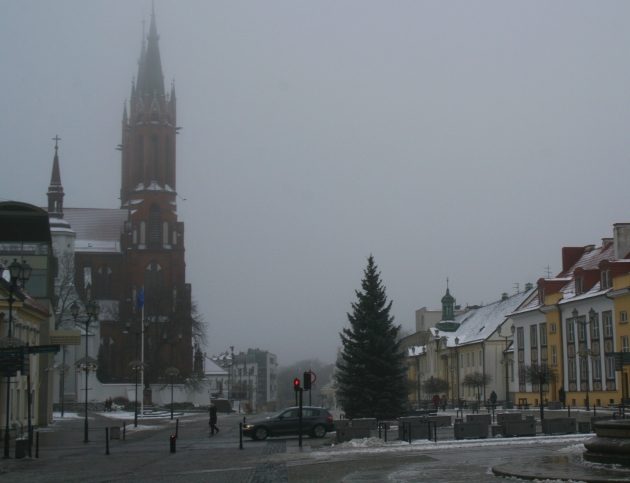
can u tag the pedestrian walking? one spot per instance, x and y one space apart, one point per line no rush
493 399
213 420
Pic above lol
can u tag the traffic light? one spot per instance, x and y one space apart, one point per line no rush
307 381
296 384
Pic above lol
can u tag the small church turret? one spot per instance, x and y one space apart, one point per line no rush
55 189
448 324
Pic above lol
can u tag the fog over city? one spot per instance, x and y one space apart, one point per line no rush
459 140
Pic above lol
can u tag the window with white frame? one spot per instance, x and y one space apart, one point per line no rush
625 343
607 320
595 329
543 335
570 331
610 367
605 279
597 369
533 335
552 328
623 317
554 355
572 370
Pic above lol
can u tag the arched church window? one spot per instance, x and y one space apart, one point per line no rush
155 226
153 289
165 234
139 161
155 175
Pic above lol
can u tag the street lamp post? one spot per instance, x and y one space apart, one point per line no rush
457 367
135 366
505 361
172 371
18 272
91 309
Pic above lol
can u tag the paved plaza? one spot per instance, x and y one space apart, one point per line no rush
145 456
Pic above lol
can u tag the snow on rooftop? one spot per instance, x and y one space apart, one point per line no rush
479 324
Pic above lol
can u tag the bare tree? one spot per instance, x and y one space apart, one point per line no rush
198 326
477 381
434 385
541 375
65 293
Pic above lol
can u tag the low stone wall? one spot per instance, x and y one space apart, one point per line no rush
559 426
477 429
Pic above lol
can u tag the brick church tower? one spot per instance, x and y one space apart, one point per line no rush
152 242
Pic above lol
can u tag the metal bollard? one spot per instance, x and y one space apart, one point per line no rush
385 428
435 432
176 428
173 443
240 435
379 427
124 430
37 444
106 441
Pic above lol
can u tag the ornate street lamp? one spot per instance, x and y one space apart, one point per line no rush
18 272
91 309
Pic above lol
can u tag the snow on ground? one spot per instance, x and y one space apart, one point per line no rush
375 445
66 415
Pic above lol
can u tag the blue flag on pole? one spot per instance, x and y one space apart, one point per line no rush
140 298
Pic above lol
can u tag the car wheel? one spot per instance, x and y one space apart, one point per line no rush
261 433
319 431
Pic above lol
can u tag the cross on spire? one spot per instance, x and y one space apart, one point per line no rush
56 139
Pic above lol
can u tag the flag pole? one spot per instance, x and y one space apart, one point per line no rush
142 361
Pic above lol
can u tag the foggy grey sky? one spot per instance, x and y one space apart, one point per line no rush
468 140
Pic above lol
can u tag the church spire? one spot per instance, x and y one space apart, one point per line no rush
150 77
55 189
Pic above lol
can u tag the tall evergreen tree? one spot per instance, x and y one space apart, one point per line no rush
371 379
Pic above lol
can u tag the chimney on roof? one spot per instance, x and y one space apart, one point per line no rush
606 241
570 255
621 232
529 286
504 296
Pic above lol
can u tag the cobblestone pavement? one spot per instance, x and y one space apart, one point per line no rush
144 457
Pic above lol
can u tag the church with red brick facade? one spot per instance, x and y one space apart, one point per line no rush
139 247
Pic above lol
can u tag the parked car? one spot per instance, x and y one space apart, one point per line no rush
316 422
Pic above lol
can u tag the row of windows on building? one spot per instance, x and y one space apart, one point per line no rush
590 346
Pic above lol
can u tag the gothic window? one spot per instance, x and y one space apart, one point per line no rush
143 233
155 226
155 159
139 161
153 286
169 167
103 282
165 233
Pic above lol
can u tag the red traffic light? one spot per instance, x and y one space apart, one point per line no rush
296 384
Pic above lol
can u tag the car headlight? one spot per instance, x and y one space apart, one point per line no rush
248 426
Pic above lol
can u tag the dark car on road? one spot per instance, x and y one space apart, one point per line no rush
316 422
